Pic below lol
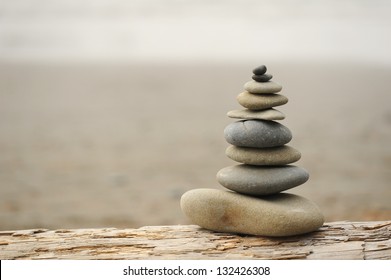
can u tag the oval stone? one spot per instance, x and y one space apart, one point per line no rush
263 156
260 101
267 114
262 78
261 180
275 215
257 134
260 70
263 88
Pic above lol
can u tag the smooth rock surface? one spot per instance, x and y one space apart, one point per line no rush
263 88
257 134
260 70
267 114
260 101
263 156
261 180
276 215
262 78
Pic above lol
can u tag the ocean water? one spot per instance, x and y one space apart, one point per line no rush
202 31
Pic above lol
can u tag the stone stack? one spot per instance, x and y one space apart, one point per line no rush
255 204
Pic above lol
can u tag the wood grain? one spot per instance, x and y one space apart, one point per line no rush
337 240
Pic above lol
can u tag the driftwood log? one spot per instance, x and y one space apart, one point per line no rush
337 240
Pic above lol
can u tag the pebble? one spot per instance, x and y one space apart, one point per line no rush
257 134
260 70
262 78
261 180
260 101
266 114
263 88
266 156
275 215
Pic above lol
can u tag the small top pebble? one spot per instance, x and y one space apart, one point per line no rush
260 70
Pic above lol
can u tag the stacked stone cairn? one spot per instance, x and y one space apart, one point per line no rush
254 203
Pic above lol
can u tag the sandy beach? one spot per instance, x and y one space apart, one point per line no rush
110 110
116 145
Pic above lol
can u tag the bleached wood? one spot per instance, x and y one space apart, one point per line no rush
337 240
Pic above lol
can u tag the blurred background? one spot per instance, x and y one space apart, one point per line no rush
111 109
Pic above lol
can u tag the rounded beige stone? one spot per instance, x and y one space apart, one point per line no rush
262 88
275 215
267 114
261 101
263 156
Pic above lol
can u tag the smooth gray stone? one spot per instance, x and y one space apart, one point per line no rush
260 70
262 78
262 88
267 114
274 215
263 156
261 180
261 101
257 134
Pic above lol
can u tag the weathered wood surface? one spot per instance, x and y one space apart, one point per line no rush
338 240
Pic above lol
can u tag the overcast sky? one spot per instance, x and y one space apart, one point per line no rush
186 30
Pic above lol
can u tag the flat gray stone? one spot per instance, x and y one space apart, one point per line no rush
262 78
257 134
261 101
267 114
263 156
275 215
261 180
263 88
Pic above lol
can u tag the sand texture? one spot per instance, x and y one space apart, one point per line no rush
117 145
